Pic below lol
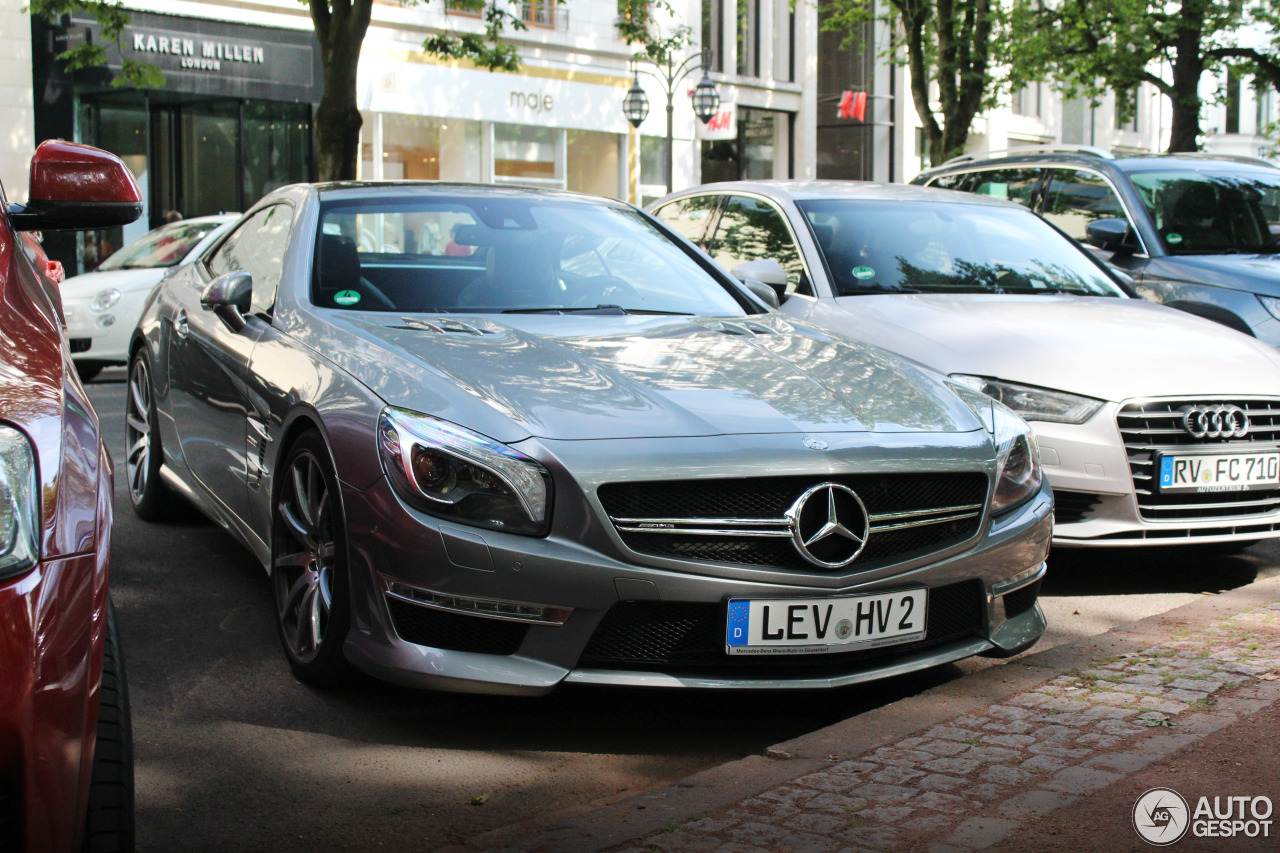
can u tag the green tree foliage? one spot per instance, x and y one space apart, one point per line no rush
1089 46
959 45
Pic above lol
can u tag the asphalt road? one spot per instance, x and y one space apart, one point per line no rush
233 754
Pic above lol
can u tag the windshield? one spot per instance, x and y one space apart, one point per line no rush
1213 214
506 254
163 247
924 247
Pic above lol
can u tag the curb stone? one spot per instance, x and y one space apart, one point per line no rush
962 766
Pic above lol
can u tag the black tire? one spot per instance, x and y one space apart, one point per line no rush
309 565
151 498
109 821
87 370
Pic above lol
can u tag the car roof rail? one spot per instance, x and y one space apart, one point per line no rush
1090 150
1234 158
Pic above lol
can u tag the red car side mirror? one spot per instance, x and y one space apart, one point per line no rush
75 187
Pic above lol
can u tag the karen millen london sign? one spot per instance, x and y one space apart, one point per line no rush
199 54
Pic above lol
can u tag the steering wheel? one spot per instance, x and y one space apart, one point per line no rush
604 290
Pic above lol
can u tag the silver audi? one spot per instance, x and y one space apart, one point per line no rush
1156 427
495 440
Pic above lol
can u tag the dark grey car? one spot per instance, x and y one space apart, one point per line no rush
496 440
1195 232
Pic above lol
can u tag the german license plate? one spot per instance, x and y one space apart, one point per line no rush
1234 472
792 626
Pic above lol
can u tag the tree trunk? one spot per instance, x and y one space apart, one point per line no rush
1188 67
341 31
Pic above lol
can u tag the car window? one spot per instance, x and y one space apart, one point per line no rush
163 247
689 217
958 181
512 255
751 229
257 247
1073 198
1010 184
924 247
1199 213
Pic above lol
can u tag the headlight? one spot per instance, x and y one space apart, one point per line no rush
105 299
446 470
19 510
1035 404
1018 474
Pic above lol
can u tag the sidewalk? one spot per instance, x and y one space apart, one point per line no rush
1048 752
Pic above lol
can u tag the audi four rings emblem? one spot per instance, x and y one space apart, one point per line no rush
829 525
1219 420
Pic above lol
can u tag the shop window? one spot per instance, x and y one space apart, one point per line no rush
410 148
275 141
653 164
525 154
592 162
1026 101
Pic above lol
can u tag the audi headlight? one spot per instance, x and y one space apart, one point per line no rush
1018 474
446 470
105 299
1035 404
19 507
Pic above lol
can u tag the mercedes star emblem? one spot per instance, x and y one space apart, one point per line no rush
829 525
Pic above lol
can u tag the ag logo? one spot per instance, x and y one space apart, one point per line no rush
1161 816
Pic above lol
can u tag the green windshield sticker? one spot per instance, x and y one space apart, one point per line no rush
1175 239
863 272
346 297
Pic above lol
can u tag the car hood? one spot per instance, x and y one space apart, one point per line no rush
89 284
1108 348
595 377
1252 273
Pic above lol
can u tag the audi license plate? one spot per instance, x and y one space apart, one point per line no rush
1234 472
792 626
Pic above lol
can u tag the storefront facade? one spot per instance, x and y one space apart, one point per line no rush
232 120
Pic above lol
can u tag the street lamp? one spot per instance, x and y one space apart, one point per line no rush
706 100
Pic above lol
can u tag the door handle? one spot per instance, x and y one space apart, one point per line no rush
180 327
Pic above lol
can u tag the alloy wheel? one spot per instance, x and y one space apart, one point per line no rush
303 562
138 430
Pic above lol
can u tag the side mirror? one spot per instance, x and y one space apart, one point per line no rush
764 292
74 187
766 271
230 297
1107 234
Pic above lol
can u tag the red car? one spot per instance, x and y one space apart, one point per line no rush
66 765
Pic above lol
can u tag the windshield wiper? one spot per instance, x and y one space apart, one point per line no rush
599 309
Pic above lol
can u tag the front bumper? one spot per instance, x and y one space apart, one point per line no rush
91 339
583 566
1088 466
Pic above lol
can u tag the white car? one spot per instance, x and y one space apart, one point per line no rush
1156 427
103 306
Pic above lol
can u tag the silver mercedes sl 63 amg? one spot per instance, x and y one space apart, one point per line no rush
493 440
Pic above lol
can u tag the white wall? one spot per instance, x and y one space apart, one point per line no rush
16 99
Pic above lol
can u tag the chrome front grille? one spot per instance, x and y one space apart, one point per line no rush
745 521
1154 426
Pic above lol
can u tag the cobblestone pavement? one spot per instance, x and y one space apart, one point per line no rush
974 780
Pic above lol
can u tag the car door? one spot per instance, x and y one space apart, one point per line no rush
209 361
